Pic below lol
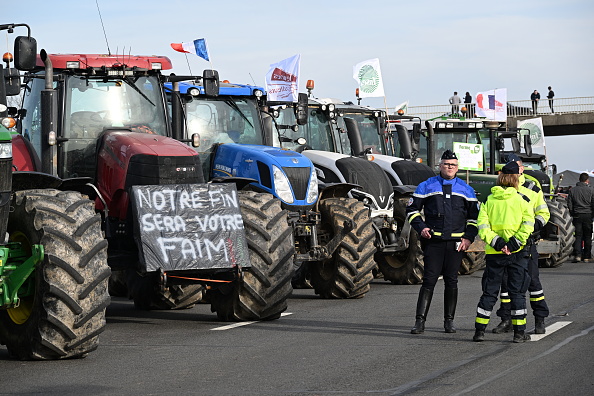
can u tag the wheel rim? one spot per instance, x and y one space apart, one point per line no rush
396 261
20 314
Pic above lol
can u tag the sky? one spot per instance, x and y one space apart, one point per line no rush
427 48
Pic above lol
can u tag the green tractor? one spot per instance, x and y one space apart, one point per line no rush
497 142
53 255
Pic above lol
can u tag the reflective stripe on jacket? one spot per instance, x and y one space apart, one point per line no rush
505 214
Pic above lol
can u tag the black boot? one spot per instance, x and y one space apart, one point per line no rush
479 336
504 327
520 336
450 297
423 304
539 327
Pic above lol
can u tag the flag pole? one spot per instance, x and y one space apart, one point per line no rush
188 62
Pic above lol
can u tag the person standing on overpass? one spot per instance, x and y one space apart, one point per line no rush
455 102
550 97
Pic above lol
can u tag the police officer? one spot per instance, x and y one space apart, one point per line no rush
505 222
450 209
529 189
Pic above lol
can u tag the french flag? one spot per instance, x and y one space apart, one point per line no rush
197 47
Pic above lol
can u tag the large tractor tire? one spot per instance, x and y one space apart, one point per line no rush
65 313
350 270
561 217
263 290
472 262
405 267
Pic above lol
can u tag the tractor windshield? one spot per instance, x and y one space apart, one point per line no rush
445 141
223 119
95 105
92 105
369 133
317 132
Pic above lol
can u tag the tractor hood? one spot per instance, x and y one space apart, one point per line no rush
126 159
286 174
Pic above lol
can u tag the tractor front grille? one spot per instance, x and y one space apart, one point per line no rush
299 179
146 169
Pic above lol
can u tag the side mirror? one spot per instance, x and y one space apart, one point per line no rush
416 133
382 123
301 111
515 142
210 79
195 140
499 144
528 145
25 53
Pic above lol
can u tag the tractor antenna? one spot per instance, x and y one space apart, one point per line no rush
254 81
103 26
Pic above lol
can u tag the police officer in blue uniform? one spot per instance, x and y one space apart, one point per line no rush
450 209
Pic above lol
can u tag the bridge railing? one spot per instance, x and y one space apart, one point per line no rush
514 107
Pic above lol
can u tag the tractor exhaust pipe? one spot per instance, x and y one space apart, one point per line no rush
49 119
430 145
354 136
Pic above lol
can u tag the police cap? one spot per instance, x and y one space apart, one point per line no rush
513 157
448 154
511 168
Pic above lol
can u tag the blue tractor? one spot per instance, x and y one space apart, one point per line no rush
332 232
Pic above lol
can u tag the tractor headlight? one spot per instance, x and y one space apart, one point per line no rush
282 186
6 150
312 188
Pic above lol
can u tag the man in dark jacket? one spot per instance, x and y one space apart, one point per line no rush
581 206
535 97
448 228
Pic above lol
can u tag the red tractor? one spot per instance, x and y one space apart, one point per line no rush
99 125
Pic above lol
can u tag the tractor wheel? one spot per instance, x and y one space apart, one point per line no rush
405 267
263 290
350 270
147 293
64 311
472 262
561 217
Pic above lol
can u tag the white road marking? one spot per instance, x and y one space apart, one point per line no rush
234 325
550 330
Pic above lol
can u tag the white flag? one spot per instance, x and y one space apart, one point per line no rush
369 77
492 104
402 106
282 80
536 131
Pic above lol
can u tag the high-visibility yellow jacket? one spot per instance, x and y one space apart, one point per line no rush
531 189
505 214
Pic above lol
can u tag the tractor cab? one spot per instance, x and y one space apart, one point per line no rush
96 93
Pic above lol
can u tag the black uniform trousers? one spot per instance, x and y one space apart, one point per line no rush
583 232
518 280
537 300
441 258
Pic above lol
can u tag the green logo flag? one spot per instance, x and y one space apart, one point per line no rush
369 77
534 125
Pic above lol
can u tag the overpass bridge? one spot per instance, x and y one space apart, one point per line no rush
572 116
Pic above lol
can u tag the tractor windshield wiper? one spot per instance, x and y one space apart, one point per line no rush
233 105
133 85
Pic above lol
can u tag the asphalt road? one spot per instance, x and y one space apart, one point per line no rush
330 347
